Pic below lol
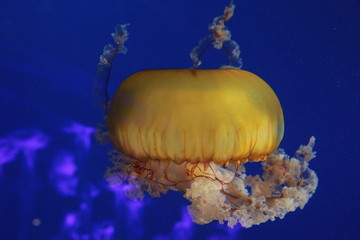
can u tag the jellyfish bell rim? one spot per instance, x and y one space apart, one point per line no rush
135 85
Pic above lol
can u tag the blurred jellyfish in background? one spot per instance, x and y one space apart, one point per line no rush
63 174
133 210
23 146
82 134
72 228
58 188
22 142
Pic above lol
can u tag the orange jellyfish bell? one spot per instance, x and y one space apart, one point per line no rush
197 116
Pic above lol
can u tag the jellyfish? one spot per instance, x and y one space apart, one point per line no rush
194 130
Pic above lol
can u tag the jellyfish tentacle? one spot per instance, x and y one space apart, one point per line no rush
220 39
232 50
120 36
245 199
198 51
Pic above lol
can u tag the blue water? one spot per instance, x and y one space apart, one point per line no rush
51 167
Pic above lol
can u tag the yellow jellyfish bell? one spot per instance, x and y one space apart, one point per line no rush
192 130
198 116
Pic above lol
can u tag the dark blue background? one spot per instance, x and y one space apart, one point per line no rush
308 51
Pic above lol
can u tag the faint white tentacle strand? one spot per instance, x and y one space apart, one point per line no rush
220 39
120 36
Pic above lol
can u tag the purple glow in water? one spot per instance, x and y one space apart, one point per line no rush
84 206
63 174
134 206
182 230
71 220
134 209
103 231
82 133
73 228
120 189
94 191
25 142
65 165
229 233
185 222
